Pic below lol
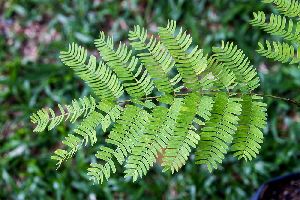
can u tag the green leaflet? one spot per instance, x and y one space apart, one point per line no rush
123 137
277 25
155 57
290 8
48 117
246 143
180 143
282 26
218 131
86 130
189 64
203 111
235 60
135 79
145 152
224 78
279 51
159 130
101 79
112 113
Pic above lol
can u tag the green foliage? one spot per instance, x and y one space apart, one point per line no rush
154 140
252 119
290 8
48 117
156 59
25 169
124 136
173 123
236 61
134 77
189 64
184 136
218 131
284 26
101 79
86 130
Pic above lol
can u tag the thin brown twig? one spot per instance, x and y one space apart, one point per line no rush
280 98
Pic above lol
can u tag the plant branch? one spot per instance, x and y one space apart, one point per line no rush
280 98
297 103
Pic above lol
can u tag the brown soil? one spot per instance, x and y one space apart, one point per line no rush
283 190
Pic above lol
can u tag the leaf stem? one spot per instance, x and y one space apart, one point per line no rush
292 101
280 98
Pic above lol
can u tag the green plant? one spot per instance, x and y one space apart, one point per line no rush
165 100
284 26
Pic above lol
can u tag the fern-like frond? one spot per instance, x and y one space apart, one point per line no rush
144 153
189 64
194 102
135 79
184 137
235 60
218 131
124 136
246 143
61 155
101 79
87 127
159 130
155 57
223 77
283 27
279 51
290 8
111 111
203 111
48 117
86 130
278 26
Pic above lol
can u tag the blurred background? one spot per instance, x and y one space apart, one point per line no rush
32 32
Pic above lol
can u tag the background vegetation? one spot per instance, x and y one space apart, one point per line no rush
32 32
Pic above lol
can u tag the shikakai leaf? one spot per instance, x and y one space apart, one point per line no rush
158 102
